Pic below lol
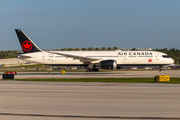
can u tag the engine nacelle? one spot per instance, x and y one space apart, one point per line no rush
108 64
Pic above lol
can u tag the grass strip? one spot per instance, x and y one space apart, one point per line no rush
115 80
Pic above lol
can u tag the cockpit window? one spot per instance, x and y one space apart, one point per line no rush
166 56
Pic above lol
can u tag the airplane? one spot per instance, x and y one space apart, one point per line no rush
93 60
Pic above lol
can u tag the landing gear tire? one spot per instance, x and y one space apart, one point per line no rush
92 70
88 70
95 70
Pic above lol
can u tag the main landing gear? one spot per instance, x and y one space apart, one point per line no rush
92 69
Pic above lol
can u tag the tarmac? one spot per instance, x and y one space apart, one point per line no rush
88 101
110 74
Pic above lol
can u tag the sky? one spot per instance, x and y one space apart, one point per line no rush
57 24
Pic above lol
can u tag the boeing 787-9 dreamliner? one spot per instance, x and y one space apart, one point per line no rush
92 59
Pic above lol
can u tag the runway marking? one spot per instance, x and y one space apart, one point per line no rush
77 116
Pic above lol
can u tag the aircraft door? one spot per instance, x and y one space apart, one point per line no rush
157 57
125 57
44 57
125 61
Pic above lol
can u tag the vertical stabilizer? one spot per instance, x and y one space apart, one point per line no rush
26 43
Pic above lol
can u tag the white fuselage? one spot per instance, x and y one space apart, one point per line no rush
123 58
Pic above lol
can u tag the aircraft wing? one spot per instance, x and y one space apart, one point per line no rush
78 57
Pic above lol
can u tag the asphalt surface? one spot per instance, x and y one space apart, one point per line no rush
88 101
111 74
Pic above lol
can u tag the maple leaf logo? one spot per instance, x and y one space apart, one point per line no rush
27 45
150 60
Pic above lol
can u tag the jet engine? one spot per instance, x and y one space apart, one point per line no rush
108 64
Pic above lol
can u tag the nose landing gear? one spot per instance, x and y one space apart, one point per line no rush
160 68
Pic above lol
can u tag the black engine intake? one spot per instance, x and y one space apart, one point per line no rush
108 64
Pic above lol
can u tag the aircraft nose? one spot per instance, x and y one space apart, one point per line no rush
172 61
